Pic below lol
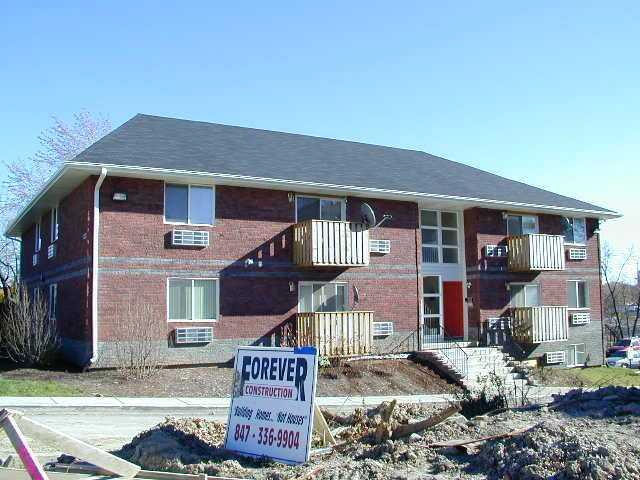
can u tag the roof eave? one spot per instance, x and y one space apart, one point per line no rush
89 168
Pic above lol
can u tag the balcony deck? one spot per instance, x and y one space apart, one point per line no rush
336 334
540 324
529 253
328 243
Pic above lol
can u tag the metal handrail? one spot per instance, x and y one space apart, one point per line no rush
449 347
410 339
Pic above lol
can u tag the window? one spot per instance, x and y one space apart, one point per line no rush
525 295
431 311
577 294
439 236
192 299
38 238
317 208
54 225
577 355
53 300
322 297
191 204
575 230
522 224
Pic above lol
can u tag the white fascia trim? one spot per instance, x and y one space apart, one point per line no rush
349 188
265 182
94 267
45 188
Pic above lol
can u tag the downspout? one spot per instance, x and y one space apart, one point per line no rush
602 319
94 267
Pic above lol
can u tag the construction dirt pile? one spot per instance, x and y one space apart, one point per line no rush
581 435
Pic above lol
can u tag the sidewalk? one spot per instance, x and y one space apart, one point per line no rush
535 393
214 402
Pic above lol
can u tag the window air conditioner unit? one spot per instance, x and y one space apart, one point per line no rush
52 250
379 246
189 238
554 357
194 335
382 329
580 318
577 254
495 251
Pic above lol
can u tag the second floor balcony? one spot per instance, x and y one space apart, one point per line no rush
532 325
535 252
330 243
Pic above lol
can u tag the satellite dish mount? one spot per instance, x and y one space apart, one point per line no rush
369 217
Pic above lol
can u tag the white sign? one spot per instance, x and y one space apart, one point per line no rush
271 412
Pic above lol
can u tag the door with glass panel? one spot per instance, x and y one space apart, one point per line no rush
431 308
326 298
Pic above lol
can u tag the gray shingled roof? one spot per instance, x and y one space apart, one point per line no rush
150 141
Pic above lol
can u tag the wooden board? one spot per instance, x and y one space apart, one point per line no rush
77 448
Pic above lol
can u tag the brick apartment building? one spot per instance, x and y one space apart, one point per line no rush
241 236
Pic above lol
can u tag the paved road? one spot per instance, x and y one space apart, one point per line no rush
107 428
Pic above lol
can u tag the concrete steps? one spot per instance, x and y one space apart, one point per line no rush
486 366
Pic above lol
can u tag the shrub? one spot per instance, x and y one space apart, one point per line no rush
138 354
27 335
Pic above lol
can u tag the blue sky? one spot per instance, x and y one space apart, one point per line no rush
543 92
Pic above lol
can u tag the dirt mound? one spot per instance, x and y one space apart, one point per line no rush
188 445
603 402
549 451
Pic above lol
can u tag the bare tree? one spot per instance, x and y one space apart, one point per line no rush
138 353
61 142
622 299
27 335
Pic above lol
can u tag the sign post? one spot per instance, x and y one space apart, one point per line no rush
271 413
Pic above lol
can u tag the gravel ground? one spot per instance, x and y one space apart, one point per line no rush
366 377
591 436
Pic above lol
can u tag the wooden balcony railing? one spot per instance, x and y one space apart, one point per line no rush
535 253
336 334
328 243
540 324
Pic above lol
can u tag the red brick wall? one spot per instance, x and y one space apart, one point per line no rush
489 276
250 223
68 269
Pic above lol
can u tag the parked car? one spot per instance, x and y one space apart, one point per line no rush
632 343
627 358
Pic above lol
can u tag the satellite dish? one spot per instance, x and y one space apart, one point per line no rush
368 217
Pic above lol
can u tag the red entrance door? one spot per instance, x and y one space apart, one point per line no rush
453 308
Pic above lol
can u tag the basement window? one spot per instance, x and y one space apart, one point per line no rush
577 294
189 204
322 297
525 295
192 299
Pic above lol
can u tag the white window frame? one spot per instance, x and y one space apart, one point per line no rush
55 227
189 185
307 283
439 229
38 236
524 290
53 301
571 357
575 286
440 296
585 232
342 200
535 217
217 289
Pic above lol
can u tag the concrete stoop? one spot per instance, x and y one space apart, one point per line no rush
486 366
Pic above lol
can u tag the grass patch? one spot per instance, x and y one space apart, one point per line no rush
35 388
590 377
